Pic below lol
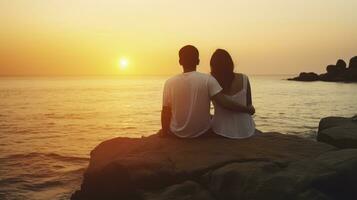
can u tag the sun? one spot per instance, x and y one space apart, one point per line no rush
123 63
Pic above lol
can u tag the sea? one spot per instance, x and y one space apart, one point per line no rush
49 125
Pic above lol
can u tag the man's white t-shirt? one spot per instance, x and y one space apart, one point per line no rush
189 95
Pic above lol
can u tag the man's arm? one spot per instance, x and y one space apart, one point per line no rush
215 91
165 120
229 104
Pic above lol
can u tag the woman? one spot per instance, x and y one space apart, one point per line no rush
228 123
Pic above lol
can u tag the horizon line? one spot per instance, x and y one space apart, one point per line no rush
115 75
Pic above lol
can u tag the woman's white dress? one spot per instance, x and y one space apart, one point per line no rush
232 124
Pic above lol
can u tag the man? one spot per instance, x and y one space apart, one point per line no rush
187 96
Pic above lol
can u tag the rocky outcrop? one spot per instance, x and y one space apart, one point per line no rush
266 166
306 76
334 73
338 131
327 176
318 178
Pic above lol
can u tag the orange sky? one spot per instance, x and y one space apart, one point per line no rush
86 37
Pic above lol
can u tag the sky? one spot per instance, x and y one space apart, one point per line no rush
87 37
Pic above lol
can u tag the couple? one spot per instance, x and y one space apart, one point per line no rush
187 96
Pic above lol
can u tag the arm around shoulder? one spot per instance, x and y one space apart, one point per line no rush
227 103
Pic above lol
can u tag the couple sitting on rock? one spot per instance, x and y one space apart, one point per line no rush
187 97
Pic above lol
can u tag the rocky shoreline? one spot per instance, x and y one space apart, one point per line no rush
266 166
340 132
334 73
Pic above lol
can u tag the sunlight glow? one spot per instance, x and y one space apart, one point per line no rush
123 63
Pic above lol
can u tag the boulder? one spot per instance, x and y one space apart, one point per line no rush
330 175
335 72
268 164
338 131
306 76
332 69
353 63
351 73
325 77
341 64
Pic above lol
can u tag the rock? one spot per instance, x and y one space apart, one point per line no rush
341 64
353 63
186 190
351 72
172 168
304 76
330 175
325 77
351 75
311 76
338 131
335 73
332 69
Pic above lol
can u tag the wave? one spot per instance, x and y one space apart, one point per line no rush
24 176
81 115
44 155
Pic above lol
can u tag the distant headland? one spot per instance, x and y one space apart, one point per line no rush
335 73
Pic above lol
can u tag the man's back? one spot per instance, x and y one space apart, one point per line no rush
188 95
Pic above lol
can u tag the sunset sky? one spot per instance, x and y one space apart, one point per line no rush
87 37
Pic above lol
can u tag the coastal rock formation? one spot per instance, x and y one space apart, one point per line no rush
306 76
334 73
266 166
338 131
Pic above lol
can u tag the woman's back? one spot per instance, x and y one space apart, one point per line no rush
233 124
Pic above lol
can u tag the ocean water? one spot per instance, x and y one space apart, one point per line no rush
48 126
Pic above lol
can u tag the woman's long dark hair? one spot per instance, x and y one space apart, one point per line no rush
222 68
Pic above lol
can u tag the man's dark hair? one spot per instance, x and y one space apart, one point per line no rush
189 56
